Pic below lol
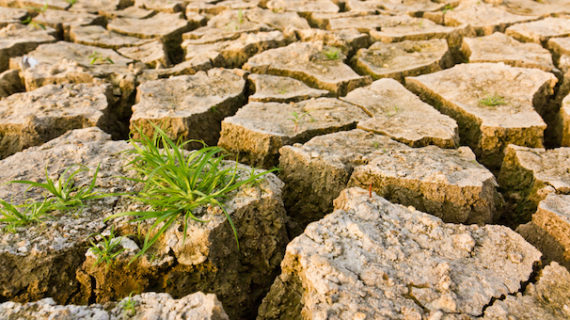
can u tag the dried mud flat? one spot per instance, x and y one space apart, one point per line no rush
422 152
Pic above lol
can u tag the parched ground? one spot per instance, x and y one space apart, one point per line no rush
422 147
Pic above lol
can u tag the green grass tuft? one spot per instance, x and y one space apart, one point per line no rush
17 216
177 183
332 53
493 101
107 249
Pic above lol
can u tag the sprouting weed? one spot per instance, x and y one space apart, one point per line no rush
175 183
298 118
332 53
393 112
492 101
107 249
376 145
17 216
97 58
129 306
66 194
71 2
447 7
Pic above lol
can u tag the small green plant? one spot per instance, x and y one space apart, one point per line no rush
67 195
128 305
447 7
492 101
298 118
175 183
107 249
71 2
332 53
29 20
393 112
17 216
97 58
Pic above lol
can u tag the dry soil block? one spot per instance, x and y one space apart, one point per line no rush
189 107
402 59
482 19
11 16
204 258
17 40
560 47
31 118
146 306
493 104
413 8
501 48
401 115
315 64
371 259
540 31
549 229
232 53
164 26
547 299
269 88
445 183
40 260
303 6
529 175
100 37
258 130
62 21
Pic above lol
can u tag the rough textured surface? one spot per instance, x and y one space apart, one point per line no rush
17 40
529 175
501 48
373 259
258 130
309 63
101 37
546 299
10 83
559 47
43 258
11 15
564 122
62 20
153 54
303 6
540 31
189 107
232 53
446 183
549 229
482 18
402 59
449 184
493 104
204 257
32 118
402 116
146 306
163 26
269 88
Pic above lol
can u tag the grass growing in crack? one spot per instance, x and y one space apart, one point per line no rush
332 53
128 305
30 21
107 249
176 183
65 193
71 2
492 101
17 216
97 58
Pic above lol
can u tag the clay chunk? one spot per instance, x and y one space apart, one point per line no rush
269 88
164 26
399 114
371 259
258 130
549 229
314 63
402 59
189 107
17 40
11 16
540 31
528 175
501 48
146 305
41 259
303 6
31 118
564 122
546 299
482 19
493 104
100 37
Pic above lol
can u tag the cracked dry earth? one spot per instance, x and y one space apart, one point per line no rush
423 150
